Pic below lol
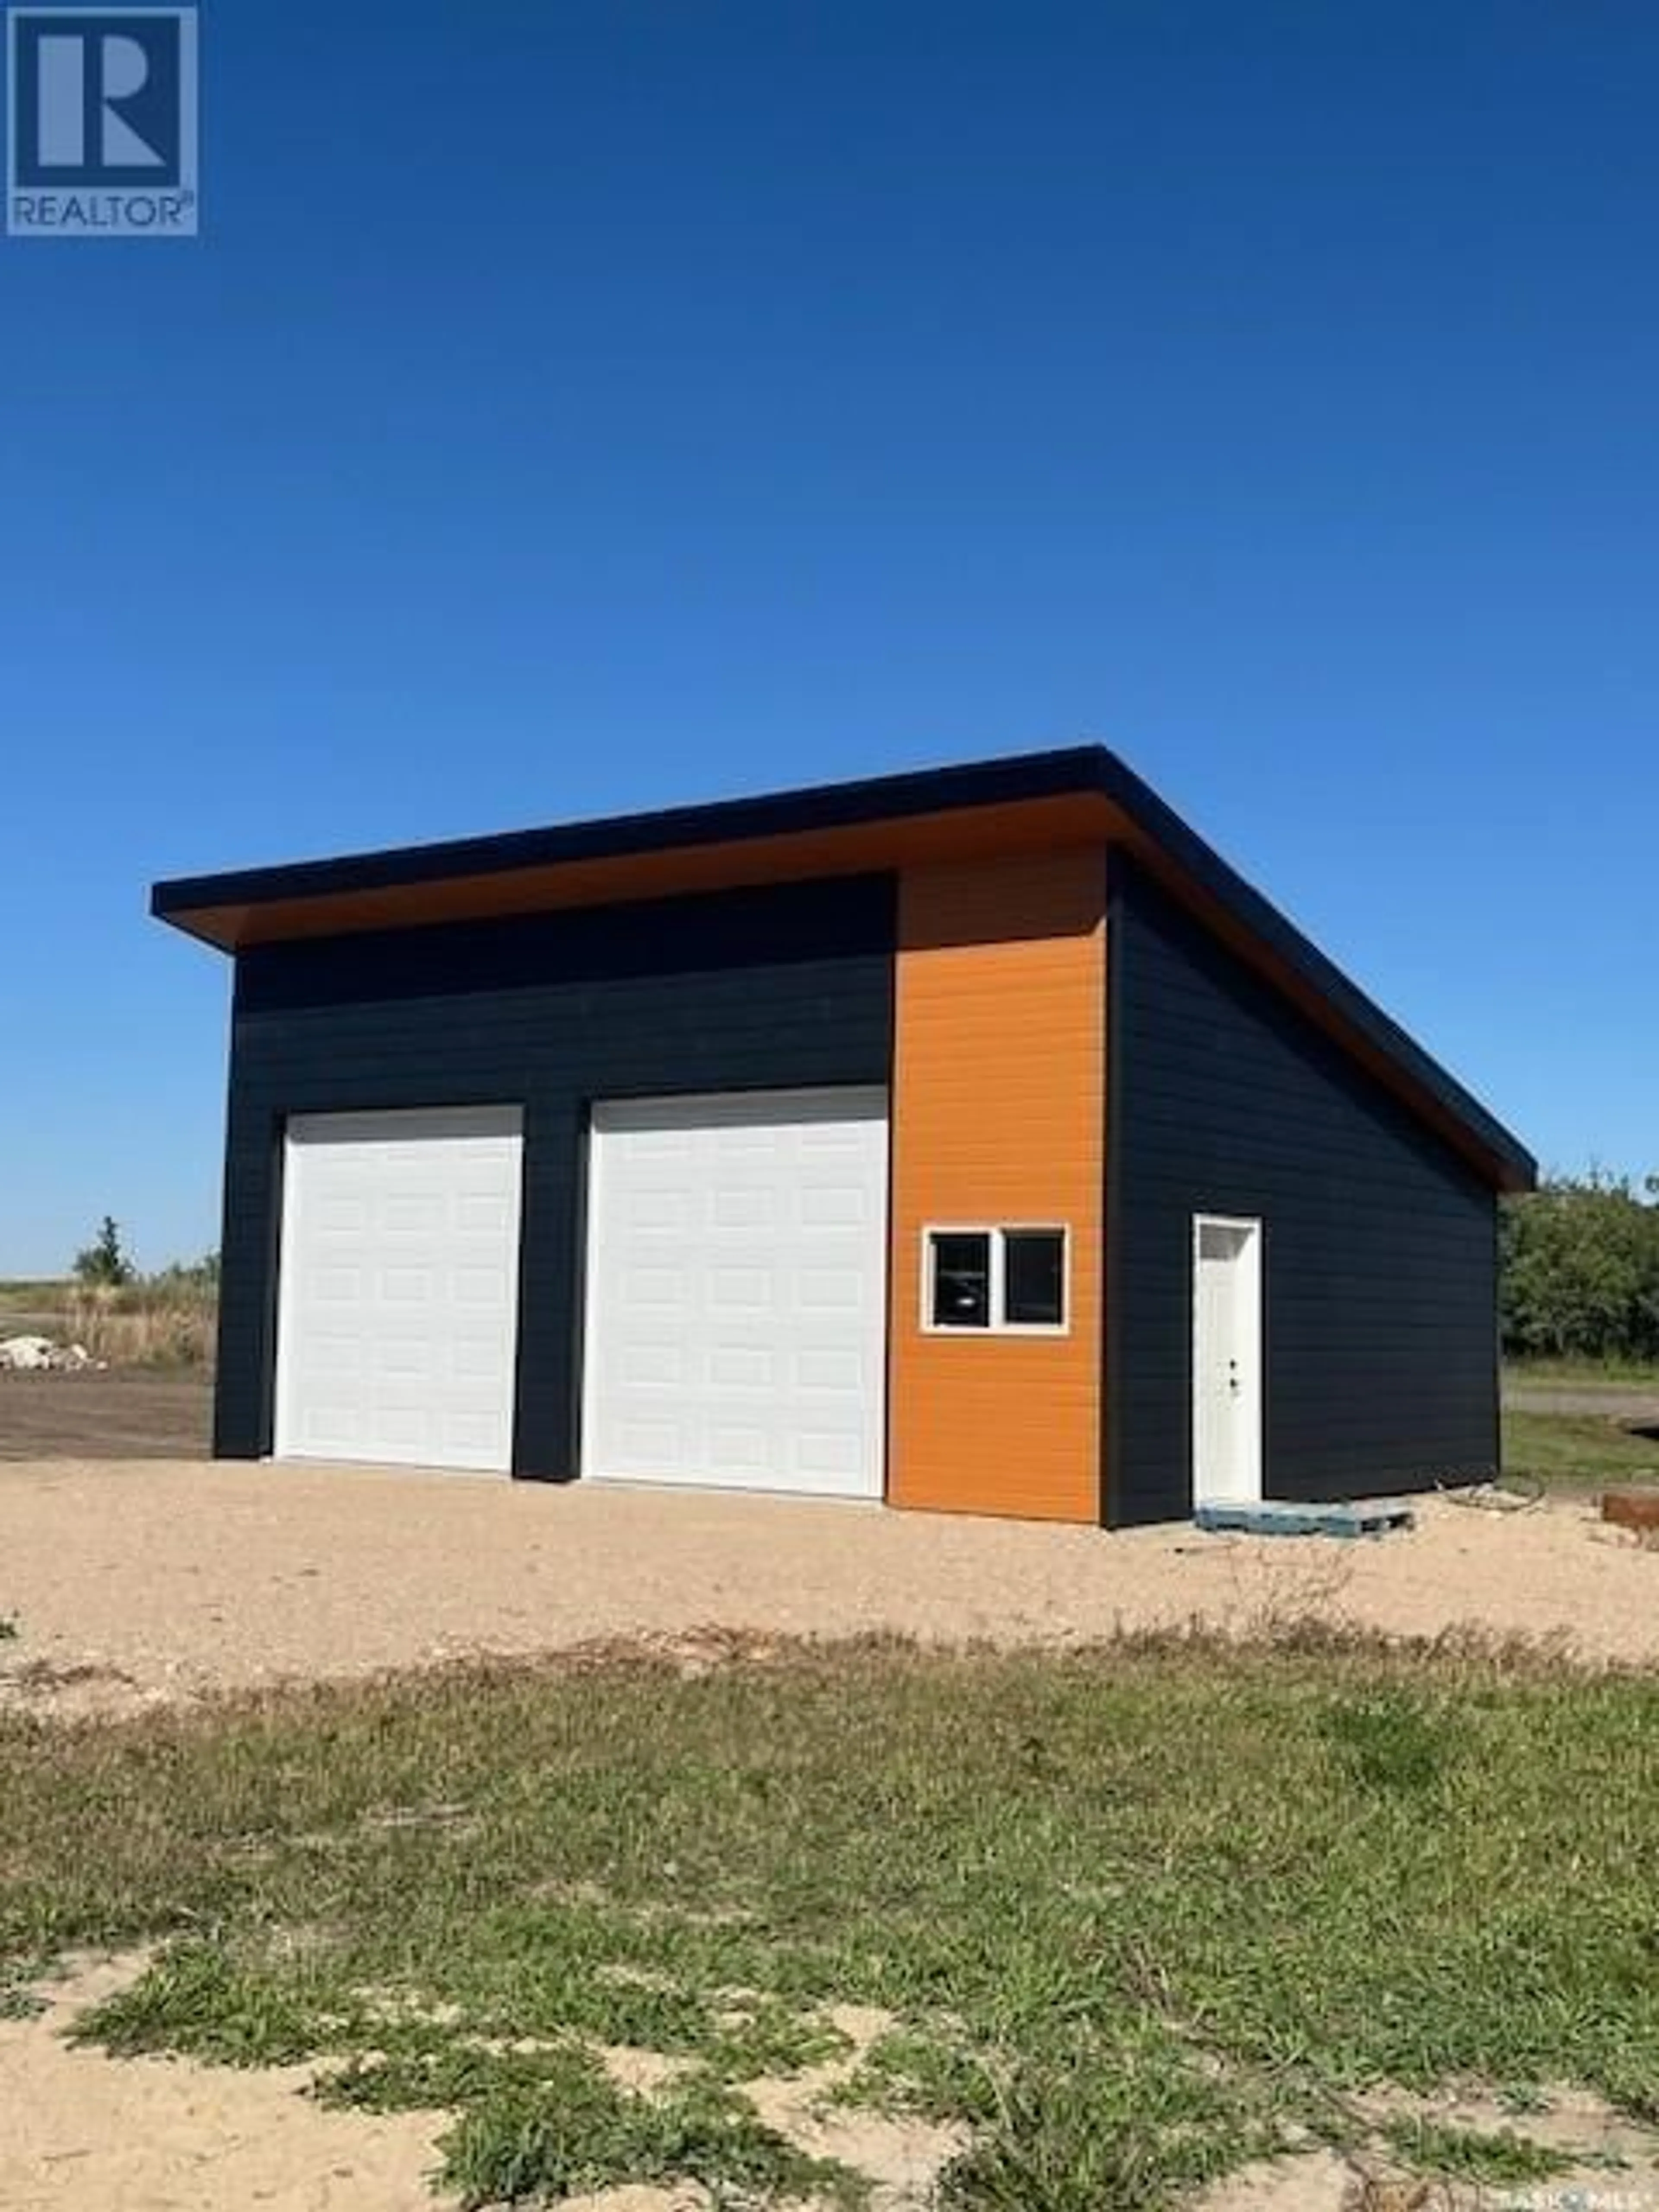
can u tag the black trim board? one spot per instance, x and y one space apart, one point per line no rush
1079 771
1111 1346
777 989
1379 1257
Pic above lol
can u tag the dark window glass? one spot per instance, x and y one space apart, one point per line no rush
1034 1277
961 1281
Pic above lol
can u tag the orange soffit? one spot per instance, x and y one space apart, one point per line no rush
864 847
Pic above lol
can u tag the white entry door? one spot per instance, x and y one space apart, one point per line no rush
397 1310
737 1290
1226 1361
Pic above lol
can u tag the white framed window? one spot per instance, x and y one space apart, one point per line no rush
1000 1279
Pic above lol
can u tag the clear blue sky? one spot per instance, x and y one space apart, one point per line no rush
575 407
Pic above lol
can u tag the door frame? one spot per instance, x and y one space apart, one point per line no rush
1248 1318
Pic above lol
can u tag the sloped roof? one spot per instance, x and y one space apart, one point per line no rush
1027 802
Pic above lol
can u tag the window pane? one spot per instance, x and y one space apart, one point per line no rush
1033 1282
962 1279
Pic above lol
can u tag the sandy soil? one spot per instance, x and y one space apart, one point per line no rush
156 2135
1610 2162
139 1583
80 2128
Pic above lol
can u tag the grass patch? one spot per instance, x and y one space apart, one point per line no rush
1388 1739
1499 2160
1564 1449
540 2141
1584 1374
1134 1912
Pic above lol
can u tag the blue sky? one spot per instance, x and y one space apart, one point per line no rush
574 407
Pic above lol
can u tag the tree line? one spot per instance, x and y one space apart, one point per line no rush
1580 1269
106 1265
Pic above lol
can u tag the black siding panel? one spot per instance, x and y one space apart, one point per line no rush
1380 1252
738 991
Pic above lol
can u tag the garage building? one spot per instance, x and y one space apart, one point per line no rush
974 1140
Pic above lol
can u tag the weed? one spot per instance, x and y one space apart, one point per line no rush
194 1999
536 2142
1469 2154
18 1999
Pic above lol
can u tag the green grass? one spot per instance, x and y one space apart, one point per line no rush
1136 1913
1584 1374
1564 1449
1504 2159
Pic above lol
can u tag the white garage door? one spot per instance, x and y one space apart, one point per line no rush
398 1316
736 1292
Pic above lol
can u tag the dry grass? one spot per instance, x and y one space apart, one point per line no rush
143 1325
164 1320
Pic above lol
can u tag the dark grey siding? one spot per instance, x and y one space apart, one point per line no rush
1379 1243
743 990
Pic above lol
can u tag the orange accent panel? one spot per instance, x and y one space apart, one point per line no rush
999 1116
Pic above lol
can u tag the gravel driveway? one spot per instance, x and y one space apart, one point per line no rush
141 1581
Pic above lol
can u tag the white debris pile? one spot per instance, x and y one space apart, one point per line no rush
33 1354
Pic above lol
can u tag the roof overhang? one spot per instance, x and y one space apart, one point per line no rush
1032 803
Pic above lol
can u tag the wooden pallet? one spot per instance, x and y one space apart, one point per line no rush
1373 1516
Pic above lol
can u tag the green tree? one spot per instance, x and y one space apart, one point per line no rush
104 1265
1580 1270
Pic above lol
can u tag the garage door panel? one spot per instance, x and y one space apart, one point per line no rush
834 1205
733 1211
831 1454
738 1367
396 1335
736 1301
844 1371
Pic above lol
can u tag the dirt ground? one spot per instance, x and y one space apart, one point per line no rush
80 2128
118 1414
138 1583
